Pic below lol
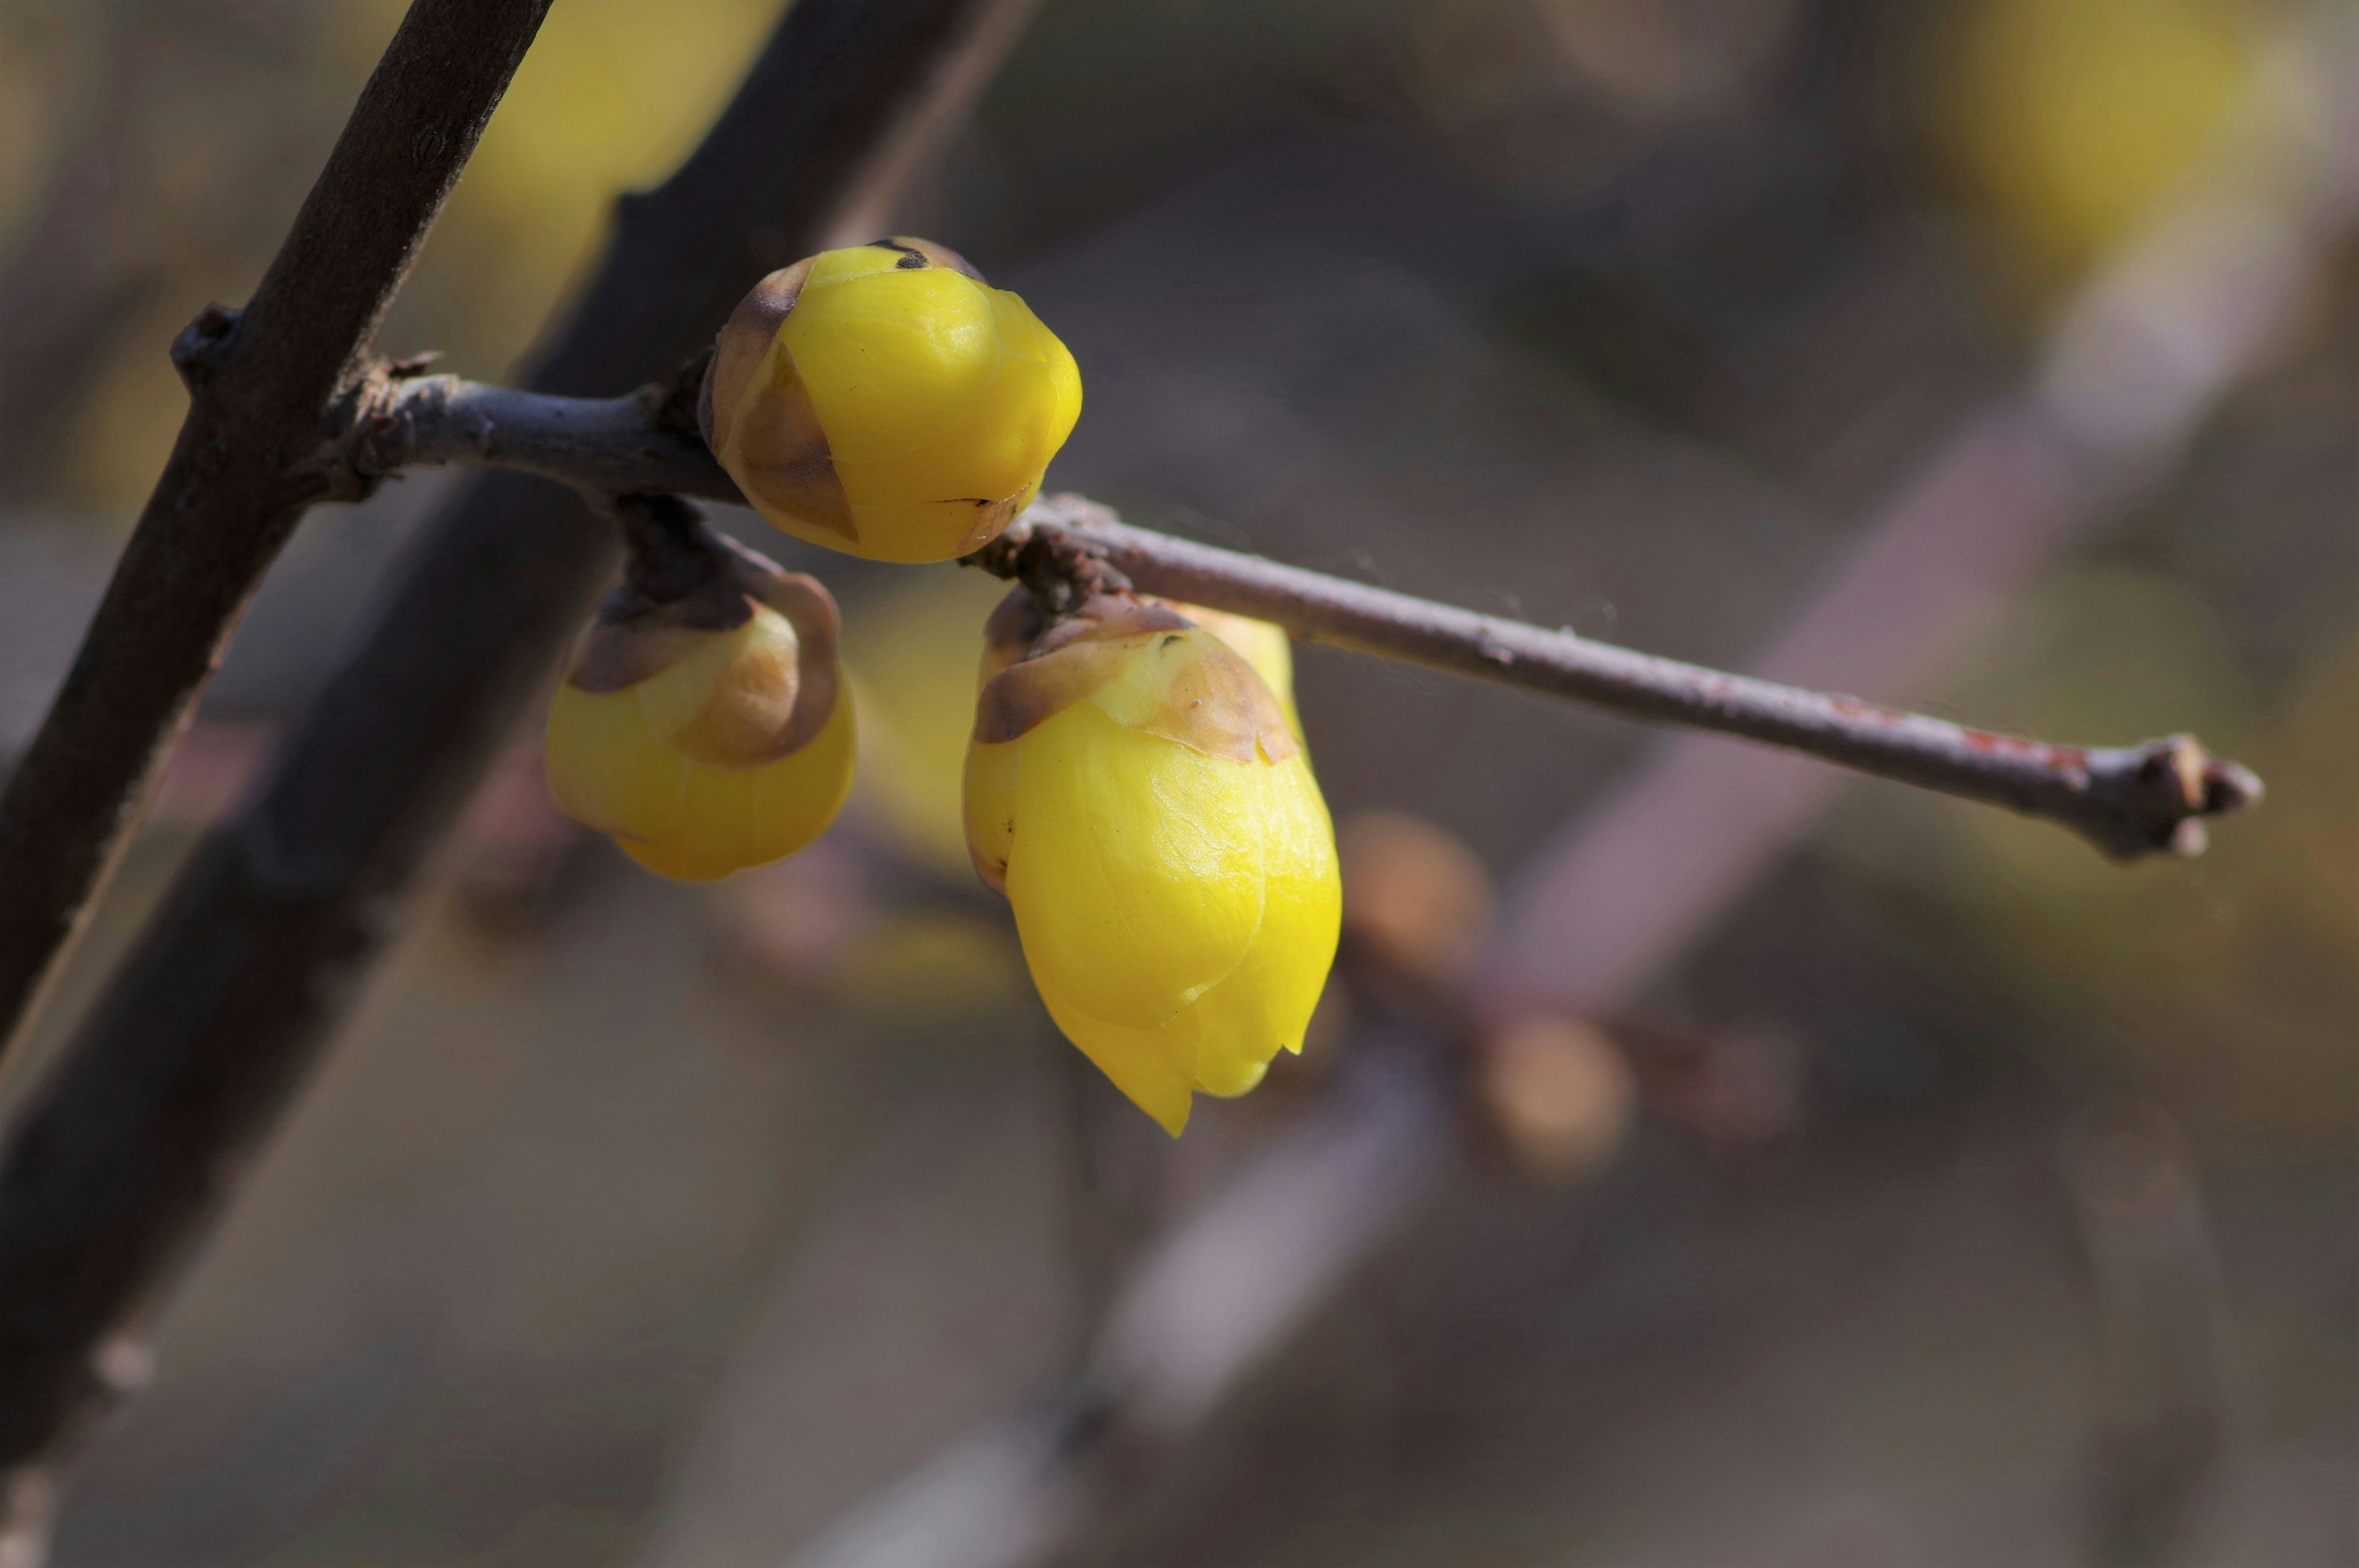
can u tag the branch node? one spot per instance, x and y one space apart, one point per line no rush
2155 796
202 349
672 404
372 431
671 550
1061 572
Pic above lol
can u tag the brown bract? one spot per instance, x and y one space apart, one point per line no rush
763 706
1015 624
991 520
1204 694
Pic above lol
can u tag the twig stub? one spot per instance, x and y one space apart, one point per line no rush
1061 573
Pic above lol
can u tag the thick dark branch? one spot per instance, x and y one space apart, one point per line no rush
611 445
136 1139
2129 800
267 385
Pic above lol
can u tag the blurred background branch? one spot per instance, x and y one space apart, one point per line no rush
264 384
2135 359
125 1154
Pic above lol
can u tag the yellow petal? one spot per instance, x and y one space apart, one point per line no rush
609 768
1134 868
892 358
1167 853
906 412
989 805
1154 1066
1266 1003
913 532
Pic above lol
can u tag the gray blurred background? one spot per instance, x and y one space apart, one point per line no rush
1925 1191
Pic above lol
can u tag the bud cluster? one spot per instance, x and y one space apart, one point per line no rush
1135 781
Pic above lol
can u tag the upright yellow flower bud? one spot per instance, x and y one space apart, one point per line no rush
705 724
885 401
1134 789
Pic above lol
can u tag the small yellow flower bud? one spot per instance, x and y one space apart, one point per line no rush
709 732
885 401
1134 789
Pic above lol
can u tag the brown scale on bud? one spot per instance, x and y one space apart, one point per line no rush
783 459
688 583
1181 683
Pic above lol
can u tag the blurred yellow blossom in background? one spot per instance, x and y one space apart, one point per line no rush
916 723
611 97
2076 118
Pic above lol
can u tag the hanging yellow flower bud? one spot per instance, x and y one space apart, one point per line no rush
885 401
1134 789
707 730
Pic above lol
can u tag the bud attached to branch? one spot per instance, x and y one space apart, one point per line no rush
1137 791
703 720
885 401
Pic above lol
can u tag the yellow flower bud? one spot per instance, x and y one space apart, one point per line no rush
709 732
885 401
1134 789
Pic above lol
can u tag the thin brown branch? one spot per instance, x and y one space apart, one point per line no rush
2129 800
265 384
610 446
132 1144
